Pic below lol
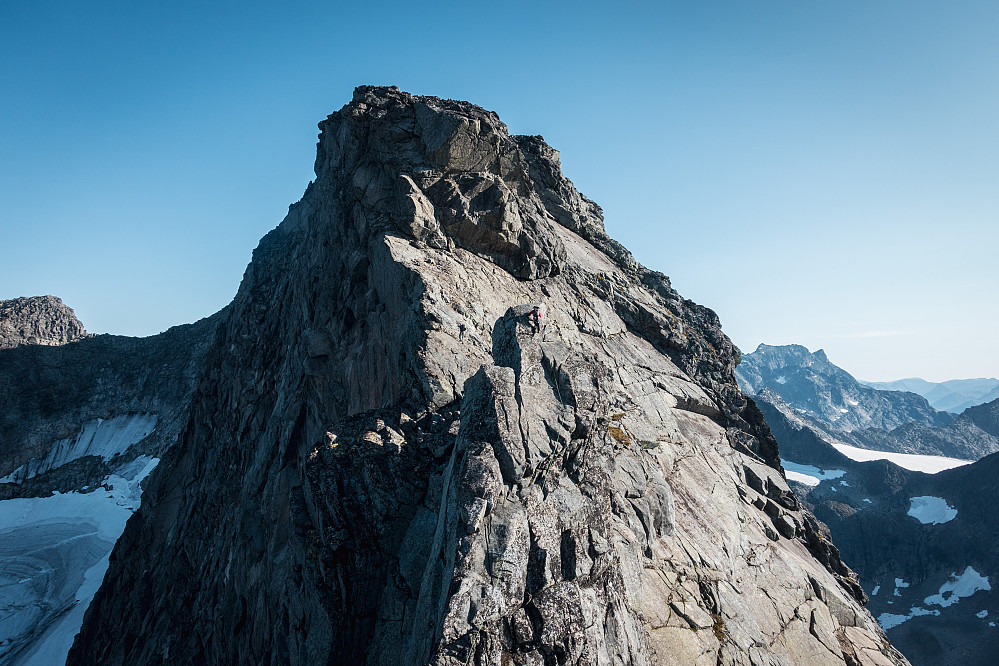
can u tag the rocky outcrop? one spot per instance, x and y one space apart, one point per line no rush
37 320
447 420
810 383
984 417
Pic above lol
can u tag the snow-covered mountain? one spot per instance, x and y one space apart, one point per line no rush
811 383
861 416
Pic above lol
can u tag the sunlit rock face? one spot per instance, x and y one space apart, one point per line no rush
447 420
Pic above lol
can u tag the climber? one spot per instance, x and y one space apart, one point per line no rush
461 332
535 318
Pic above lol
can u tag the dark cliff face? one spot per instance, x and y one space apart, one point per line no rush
48 393
448 420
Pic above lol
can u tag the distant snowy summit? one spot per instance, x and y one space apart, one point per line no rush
38 320
830 401
810 383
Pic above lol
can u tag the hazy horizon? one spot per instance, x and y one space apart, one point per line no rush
819 175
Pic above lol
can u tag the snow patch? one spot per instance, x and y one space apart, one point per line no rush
809 474
804 479
931 510
98 437
781 380
915 462
53 556
958 587
891 620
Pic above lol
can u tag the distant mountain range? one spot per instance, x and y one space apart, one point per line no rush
954 395
832 402
888 474
810 383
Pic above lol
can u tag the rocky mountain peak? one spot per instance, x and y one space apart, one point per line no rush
790 356
448 421
449 172
809 382
38 320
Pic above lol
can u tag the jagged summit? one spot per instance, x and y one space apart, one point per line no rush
449 175
448 421
38 320
507 185
811 383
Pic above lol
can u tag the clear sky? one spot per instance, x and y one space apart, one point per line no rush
823 173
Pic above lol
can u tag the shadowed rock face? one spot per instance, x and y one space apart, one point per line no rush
37 320
575 480
50 392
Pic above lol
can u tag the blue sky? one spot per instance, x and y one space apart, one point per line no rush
818 173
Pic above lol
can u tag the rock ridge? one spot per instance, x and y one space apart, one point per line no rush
48 393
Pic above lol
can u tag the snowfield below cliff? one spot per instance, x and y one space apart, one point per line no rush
913 461
53 556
